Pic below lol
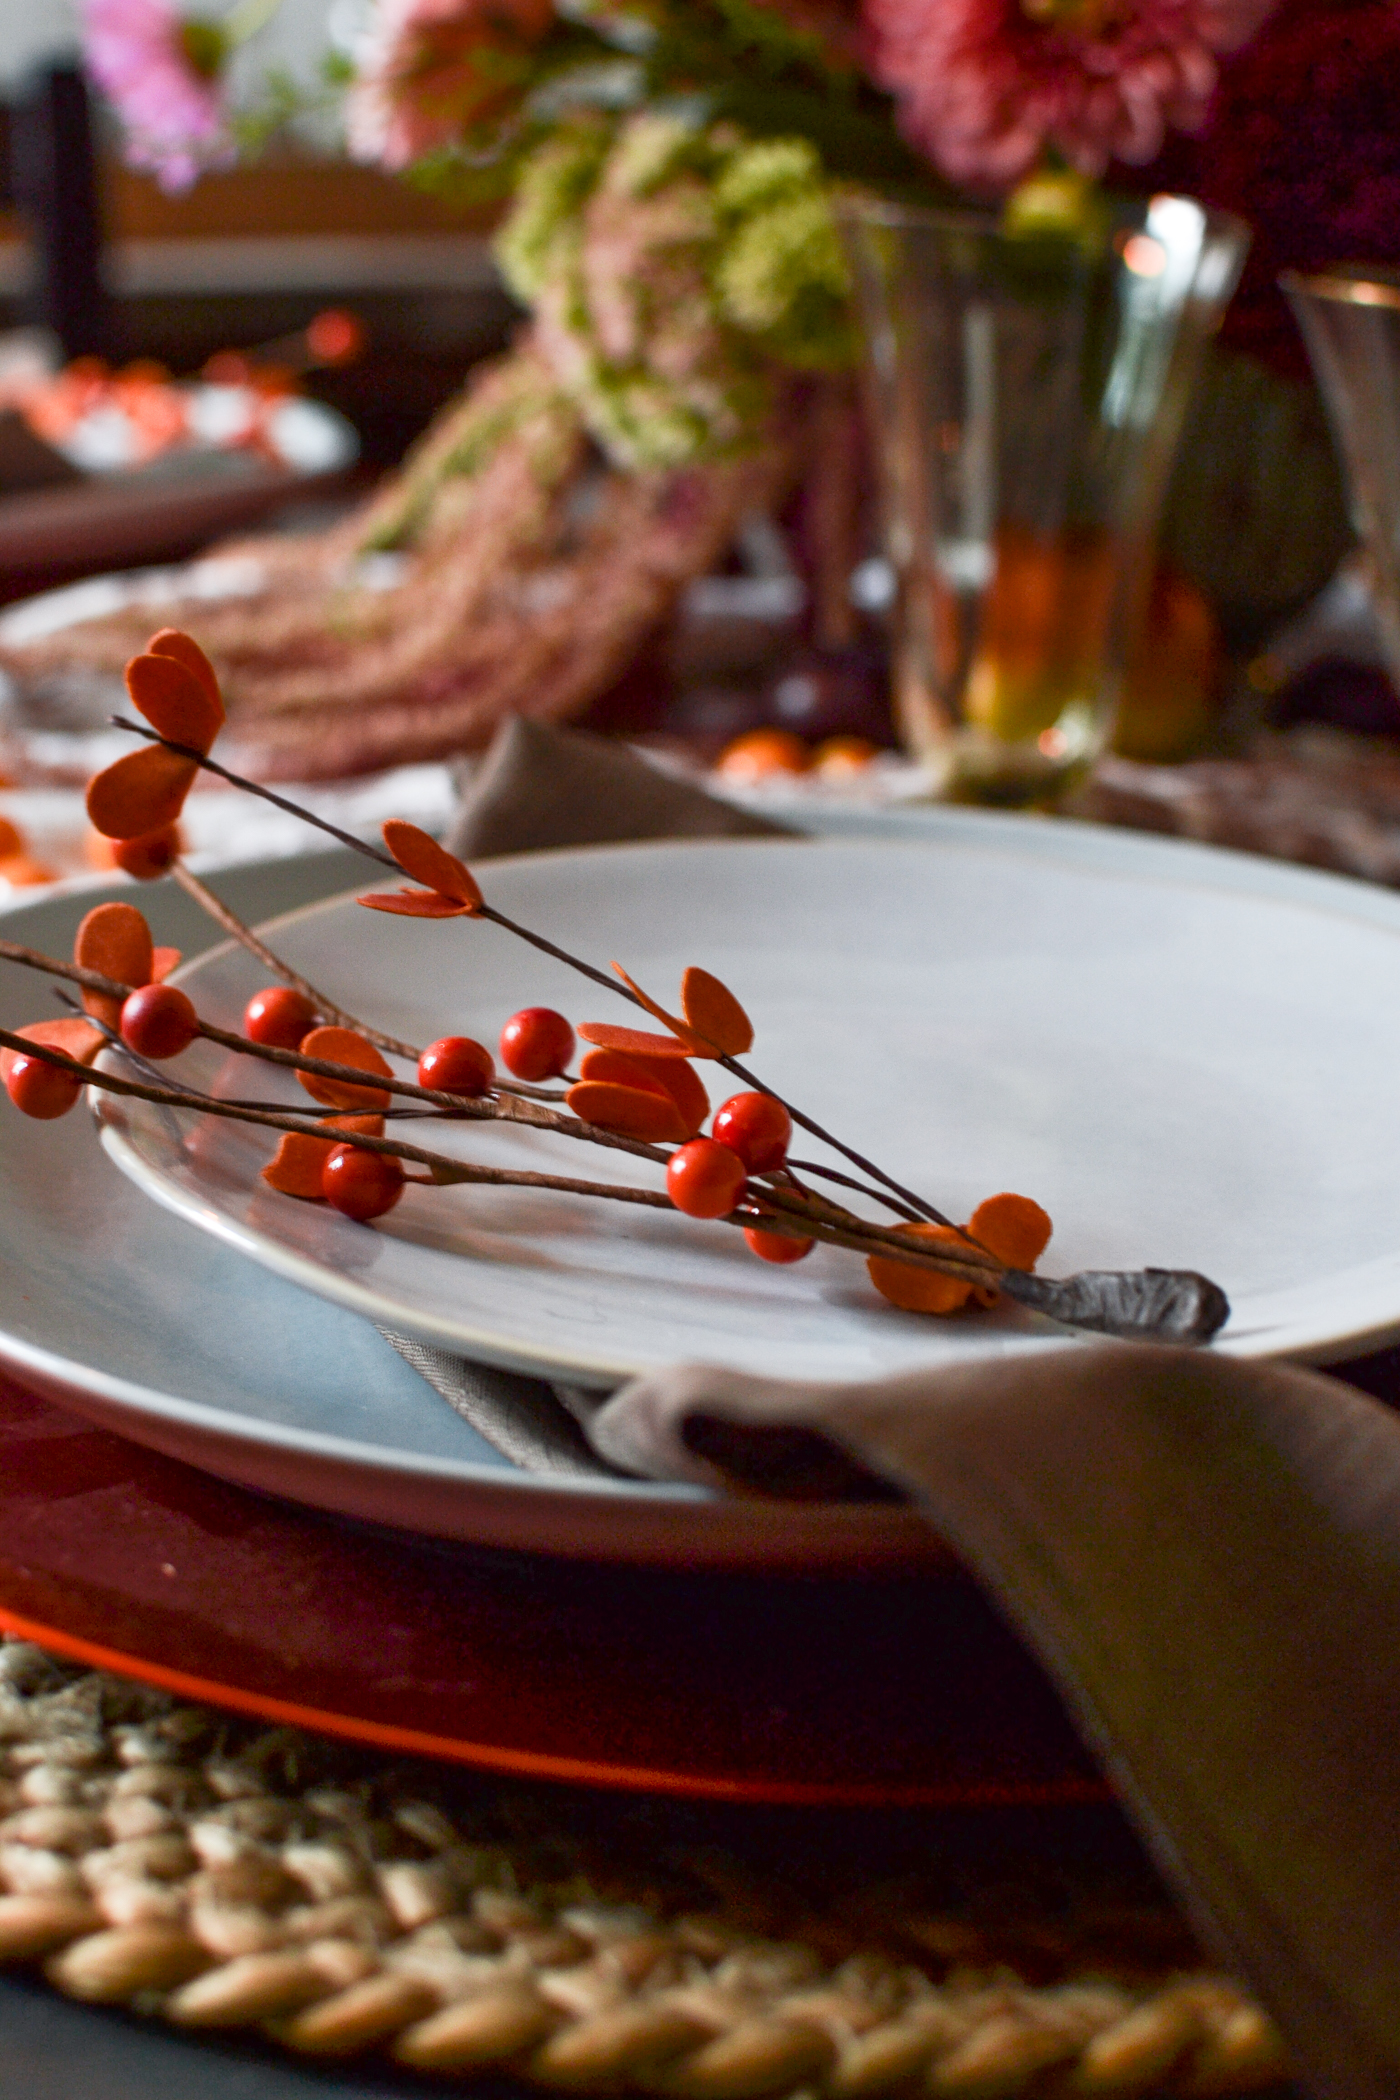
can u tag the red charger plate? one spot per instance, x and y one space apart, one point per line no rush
893 1689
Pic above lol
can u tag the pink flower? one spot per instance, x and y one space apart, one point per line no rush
432 70
160 73
986 85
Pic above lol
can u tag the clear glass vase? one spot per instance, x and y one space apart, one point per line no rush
1350 320
1027 396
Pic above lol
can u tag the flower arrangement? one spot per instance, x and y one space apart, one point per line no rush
637 1089
669 163
667 168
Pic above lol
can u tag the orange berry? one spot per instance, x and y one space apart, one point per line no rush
704 1179
40 1089
363 1185
150 856
146 857
158 1021
776 1246
456 1064
537 1043
301 1158
280 1016
1016 1229
335 337
757 1127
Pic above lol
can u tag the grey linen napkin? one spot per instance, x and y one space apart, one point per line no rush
539 787
1205 1553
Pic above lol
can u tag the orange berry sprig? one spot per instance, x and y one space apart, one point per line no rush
172 684
777 1222
448 888
157 1021
365 1137
642 1104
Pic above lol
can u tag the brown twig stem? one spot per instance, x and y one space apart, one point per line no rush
253 787
503 1107
447 1172
847 1181
220 913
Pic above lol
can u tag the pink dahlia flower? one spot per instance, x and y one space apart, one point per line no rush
986 85
161 75
431 70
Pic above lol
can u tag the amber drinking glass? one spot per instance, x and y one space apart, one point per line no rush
1027 396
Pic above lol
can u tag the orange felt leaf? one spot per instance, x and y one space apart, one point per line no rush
76 1039
611 1068
671 1076
145 858
295 1169
342 1046
415 904
174 700
628 1111
114 940
1016 1229
163 961
919 1290
431 864
142 792
682 1082
692 1044
173 641
632 1042
714 1013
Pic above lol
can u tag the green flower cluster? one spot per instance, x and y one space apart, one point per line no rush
671 264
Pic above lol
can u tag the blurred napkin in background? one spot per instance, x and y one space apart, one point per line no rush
540 787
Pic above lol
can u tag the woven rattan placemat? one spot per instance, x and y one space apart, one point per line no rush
194 1870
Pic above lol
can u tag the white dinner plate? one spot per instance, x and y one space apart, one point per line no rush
1185 1056
112 1307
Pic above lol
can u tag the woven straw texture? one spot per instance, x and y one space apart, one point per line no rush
166 1858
